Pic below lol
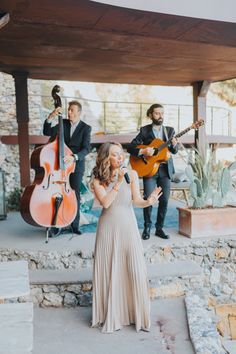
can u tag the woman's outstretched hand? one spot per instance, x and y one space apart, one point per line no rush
154 196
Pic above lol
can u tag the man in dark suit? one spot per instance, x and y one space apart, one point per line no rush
164 174
77 138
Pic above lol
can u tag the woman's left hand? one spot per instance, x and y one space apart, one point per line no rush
154 196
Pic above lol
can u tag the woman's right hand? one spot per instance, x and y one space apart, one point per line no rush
154 196
121 172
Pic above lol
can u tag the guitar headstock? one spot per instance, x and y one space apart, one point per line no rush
199 123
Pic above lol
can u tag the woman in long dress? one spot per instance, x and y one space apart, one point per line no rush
120 285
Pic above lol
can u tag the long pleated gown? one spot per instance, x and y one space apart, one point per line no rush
120 285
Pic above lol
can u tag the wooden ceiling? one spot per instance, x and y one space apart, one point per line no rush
87 41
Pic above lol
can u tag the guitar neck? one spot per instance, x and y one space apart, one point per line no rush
164 145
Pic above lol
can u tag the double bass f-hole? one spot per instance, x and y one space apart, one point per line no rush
51 181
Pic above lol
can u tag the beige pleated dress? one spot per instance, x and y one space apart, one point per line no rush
120 285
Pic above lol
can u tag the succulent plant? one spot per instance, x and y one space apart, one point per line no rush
209 183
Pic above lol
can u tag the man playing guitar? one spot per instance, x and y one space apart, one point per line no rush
162 177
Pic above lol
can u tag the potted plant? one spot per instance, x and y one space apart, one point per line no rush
210 213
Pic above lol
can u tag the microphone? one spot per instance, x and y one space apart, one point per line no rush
127 179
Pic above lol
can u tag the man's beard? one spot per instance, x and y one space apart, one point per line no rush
157 121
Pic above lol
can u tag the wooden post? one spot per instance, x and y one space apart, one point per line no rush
22 116
200 89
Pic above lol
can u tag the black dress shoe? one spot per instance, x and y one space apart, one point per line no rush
160 233
146 233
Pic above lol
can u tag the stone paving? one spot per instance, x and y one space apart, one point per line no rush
68 331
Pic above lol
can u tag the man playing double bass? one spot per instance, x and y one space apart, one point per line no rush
77 137
163 176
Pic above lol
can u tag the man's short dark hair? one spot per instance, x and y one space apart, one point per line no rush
152 107
75 103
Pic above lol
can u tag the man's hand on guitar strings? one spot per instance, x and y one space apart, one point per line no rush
147 151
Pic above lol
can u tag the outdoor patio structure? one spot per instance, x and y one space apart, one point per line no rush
98 41
106 43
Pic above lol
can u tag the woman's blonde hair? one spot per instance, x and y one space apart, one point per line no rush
102 171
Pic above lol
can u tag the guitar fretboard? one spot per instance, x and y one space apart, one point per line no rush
162 146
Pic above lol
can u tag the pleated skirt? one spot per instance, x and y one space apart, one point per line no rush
120 285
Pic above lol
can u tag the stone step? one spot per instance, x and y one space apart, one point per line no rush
74 287
84 275
59 277
174 269
16 328
14 279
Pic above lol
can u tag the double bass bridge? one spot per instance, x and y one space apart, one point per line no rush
56 180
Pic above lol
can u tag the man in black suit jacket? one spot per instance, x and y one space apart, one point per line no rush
77 138
164 174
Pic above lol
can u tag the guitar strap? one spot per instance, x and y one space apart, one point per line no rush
165 133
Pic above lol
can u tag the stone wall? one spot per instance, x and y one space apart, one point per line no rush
9 154
217 259
66 295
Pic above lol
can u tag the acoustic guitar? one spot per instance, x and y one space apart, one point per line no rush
147 166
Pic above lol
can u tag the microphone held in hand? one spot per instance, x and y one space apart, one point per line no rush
125 175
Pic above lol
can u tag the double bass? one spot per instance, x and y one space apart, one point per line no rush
50 201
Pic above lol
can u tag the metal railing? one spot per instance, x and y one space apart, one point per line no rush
128 117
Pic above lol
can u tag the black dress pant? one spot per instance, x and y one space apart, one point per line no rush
75 182
160 179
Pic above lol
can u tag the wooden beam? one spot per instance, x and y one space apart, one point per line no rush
200 89
4 19
124 139
22 116
33 139
204 88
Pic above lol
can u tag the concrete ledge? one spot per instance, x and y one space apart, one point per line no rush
14 279
16 328
56 277
202 329
84 275
174 269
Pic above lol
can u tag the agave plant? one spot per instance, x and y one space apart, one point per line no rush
209 182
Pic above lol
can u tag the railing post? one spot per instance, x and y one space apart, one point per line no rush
229 123
178 118
104 116
212 114
140 117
